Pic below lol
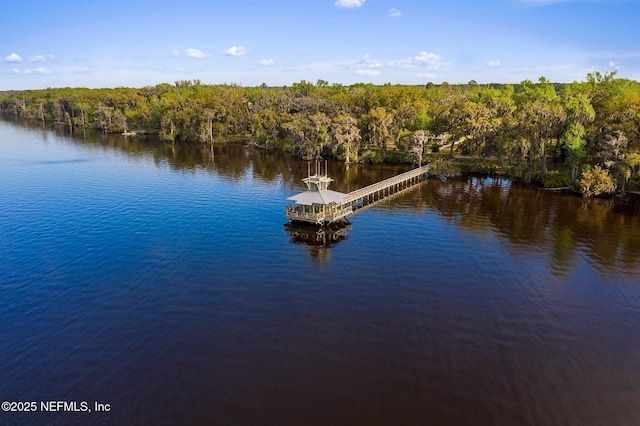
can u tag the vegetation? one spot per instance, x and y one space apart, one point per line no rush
517 130
596 181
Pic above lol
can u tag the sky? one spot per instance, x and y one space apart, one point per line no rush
137 43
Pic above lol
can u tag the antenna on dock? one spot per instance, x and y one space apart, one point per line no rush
326 168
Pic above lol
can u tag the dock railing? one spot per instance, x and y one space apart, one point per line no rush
398 180
357 199
333 215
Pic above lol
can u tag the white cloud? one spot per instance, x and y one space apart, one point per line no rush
267 62
348 4
394 13
41 58
424 60
368 62
83 70
493 64
426 57
368 72
236 51
431 61
13 58
614 65
175 53
15 71
196 53
422 66
41 71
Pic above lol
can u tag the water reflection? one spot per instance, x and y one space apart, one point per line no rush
605 232
231 160
318 239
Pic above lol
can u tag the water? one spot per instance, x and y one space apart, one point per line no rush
159 279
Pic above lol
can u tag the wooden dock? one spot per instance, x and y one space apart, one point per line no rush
384 188
322 206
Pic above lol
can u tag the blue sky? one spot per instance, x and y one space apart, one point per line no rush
134 43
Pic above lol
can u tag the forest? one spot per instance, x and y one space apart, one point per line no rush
583 135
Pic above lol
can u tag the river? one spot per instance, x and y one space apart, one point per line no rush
160 281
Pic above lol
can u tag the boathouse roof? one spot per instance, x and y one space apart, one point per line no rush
324 197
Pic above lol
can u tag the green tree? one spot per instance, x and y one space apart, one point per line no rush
423 120
266 125
612 151
378 127
346 134
479 122
304 133
419 139
540 116
574 147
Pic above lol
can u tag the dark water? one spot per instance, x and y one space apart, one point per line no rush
160 280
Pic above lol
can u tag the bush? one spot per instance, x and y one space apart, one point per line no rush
443 168
633 185
555 179
595 181
521 172
373 156
483 167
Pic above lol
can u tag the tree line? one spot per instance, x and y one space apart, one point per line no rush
584 133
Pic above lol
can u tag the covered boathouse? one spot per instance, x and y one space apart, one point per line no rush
318 205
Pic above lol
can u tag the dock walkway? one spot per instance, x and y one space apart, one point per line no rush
321 206
379 190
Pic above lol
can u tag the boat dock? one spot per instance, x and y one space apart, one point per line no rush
384 188
321 206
